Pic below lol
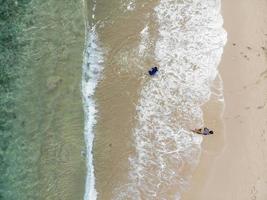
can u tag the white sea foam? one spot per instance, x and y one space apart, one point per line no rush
128 5
131 6
92 67
144 35
93 9
188 50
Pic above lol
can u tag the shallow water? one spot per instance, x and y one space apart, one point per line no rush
41 150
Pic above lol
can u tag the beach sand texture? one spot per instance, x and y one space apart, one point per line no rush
116 97
238 171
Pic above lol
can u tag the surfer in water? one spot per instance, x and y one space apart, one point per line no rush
204 131
153 71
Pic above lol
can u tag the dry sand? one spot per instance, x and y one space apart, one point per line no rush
239 170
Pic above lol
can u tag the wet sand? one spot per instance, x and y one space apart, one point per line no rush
237 170
116 95
116 98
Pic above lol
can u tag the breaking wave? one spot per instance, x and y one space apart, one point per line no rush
92 68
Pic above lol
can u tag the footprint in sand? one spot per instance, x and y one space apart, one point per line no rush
261 107
258 191
250 48
263 136
245 56
253 193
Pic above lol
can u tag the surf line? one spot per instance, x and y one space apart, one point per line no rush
92 68
91 73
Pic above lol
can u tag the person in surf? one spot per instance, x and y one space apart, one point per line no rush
204 131
153 71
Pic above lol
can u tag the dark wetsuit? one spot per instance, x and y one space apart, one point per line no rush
153 71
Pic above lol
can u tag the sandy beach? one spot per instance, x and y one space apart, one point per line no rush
237 169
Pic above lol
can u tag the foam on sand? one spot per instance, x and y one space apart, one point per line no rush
188 51
92 67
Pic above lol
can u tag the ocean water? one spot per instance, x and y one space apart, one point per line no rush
159 153
41 131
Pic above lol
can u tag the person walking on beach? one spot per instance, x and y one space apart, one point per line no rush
204 131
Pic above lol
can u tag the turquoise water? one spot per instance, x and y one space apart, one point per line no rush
41 124
11 71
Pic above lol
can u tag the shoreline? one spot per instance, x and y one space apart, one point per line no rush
237 170
114 136
92 64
